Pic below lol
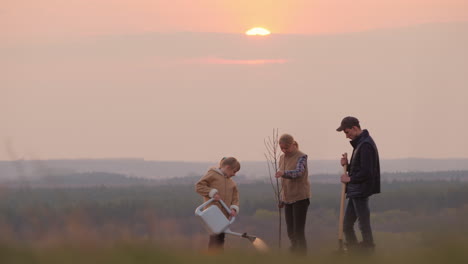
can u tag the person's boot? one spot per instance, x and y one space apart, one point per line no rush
351 248
366 248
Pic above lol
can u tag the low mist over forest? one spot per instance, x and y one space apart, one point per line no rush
140 168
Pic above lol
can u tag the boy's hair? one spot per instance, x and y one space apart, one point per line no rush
288 140
231 162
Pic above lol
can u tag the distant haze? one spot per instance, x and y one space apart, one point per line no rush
192 96
251 170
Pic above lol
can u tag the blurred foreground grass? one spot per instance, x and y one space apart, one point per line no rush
450 252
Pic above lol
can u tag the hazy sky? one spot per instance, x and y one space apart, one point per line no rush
52 18
177 80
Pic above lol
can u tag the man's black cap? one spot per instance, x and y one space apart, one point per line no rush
348 122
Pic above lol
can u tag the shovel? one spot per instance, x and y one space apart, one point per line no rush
216 222
341 246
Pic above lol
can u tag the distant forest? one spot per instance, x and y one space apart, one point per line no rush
90 179
412 208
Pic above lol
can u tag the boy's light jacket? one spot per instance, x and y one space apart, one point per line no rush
214 182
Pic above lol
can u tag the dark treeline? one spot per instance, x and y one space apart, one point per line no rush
181 199
165 211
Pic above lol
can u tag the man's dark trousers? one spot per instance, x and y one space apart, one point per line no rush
358 209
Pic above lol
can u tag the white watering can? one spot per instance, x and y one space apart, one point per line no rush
216 222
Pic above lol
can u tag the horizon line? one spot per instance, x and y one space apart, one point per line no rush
195 161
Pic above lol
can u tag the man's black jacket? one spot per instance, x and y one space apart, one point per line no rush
364 167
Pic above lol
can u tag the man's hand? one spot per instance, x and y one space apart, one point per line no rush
217 197
345 178
281 204
344 159
279 174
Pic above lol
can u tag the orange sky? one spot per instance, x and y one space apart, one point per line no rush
81 80
52 18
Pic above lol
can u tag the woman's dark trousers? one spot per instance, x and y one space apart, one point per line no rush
295 215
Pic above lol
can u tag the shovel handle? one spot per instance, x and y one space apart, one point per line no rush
342 203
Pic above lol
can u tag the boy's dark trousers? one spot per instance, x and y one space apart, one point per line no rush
358 209
295 215
216 241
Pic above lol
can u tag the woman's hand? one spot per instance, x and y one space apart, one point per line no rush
279 174
217 197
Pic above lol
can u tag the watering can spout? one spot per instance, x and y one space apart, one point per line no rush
217 222
249 237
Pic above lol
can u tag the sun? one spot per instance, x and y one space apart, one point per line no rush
258 31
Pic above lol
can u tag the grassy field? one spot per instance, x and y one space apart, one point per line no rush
413 222
141 253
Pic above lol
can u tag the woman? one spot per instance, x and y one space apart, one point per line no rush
295 192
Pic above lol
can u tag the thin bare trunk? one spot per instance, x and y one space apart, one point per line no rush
272 156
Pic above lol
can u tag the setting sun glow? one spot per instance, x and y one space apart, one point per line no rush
258 31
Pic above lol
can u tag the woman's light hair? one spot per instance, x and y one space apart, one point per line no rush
287 140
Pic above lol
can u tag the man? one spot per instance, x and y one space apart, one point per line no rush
362 181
